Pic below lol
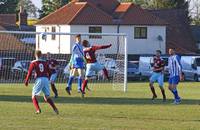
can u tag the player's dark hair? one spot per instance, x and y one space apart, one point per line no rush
85 43
172 48
38 53
159 51
78 36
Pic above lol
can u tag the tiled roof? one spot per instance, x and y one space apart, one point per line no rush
178 30
8 19
10 43
85 17
77 13
135 15
63 15
106 5
101 12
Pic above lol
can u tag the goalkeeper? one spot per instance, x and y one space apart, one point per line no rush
77 62
92 64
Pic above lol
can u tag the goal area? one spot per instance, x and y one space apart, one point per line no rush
17 51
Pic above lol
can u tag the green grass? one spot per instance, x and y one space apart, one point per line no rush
102 109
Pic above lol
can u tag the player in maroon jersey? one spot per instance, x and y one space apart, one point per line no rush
92 64
53 65
158 75
41 69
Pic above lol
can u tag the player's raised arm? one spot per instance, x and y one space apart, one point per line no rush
101 47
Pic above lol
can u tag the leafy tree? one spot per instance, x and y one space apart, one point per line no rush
8 6
160 4
195 12
163 4
49 6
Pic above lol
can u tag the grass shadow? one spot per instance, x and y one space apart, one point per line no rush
99 100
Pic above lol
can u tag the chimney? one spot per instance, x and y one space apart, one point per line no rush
22 17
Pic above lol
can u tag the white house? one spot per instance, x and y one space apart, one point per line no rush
145 32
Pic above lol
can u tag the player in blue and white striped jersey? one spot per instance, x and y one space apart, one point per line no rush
76 64
175 71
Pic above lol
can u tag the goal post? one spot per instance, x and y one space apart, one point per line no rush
125 64
18 47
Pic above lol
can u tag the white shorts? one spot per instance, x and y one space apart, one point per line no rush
93 67
41 85
53 77
159 77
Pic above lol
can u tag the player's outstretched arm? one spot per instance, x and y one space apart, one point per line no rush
29 74
102 47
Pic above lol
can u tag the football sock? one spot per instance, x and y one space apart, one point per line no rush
175 92
79 82
69 84
35 103
105 73
163 93
84 85
51 103
53 87
153 91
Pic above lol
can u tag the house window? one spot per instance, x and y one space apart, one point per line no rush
95 30
140 33
53 36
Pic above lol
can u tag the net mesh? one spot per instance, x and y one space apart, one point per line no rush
17 51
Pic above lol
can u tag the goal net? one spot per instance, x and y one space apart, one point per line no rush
17 51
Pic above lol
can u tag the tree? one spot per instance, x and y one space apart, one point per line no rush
180 3
195 12
30 8
8 6
157 4
163 4
49 6
160 4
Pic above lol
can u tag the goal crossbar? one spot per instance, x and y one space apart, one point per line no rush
62 33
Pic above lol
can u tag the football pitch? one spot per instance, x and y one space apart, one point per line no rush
102 109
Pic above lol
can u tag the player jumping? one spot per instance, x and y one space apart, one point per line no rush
77 64
92 64
175 71
53 65
41 69
158 68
